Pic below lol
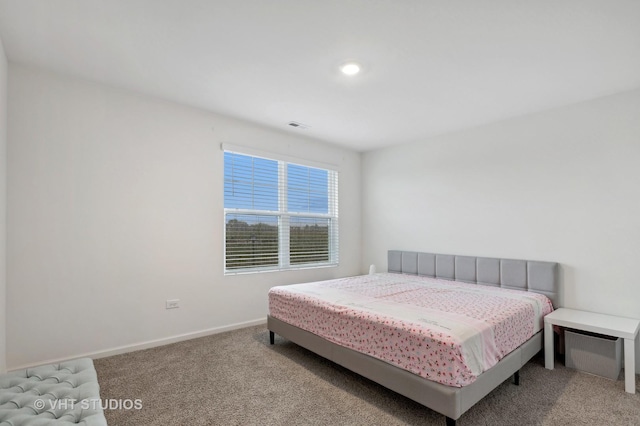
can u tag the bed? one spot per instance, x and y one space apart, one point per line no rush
450 400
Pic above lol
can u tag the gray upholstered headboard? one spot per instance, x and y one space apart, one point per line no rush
529 275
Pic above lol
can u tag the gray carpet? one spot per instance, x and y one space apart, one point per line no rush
237 378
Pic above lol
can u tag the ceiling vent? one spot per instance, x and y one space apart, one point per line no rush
298 125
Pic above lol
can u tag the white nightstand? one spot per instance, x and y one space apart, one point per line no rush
609 325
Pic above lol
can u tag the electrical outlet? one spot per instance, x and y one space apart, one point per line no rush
173 303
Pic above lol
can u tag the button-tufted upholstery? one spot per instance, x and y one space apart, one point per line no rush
59 394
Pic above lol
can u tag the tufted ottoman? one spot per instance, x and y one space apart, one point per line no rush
58 394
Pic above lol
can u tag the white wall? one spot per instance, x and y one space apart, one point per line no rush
3 206
560 186
115 205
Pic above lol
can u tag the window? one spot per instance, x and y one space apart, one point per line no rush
278 215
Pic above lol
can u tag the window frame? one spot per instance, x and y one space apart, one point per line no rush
284 216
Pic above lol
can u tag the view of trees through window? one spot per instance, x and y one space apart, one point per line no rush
250 245
309 240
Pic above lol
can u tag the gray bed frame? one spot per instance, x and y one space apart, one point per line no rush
452 402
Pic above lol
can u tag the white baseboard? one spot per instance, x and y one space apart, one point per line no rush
148 344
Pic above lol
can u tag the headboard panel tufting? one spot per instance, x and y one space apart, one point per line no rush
529 275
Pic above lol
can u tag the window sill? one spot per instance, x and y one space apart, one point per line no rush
260 271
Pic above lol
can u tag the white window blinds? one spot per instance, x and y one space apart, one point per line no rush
278 215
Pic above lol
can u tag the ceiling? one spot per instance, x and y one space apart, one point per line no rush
429 67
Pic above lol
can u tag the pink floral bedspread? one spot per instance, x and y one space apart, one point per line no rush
446 331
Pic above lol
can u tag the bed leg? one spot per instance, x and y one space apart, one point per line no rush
272 337
516 378
451 422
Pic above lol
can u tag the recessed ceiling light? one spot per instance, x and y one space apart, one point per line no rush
350 68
